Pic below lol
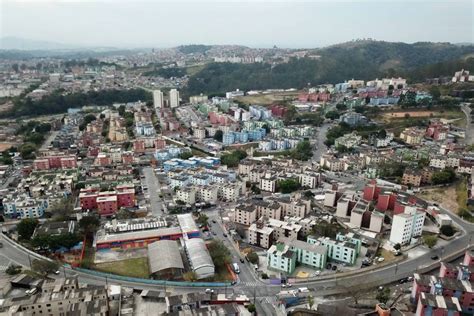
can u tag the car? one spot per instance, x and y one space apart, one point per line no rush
214 221
435 257
286 285
402 281
334 268
214 233
209 291
317 273
56 272
242 260
225 235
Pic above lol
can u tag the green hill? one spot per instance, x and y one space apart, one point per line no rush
357 59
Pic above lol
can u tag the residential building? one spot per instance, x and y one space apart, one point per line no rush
281 258
174 98
437 305
412 177
412 135
345 249
245 214
158 101
407 225
261 235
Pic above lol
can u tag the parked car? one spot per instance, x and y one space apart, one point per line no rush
435 257
209 291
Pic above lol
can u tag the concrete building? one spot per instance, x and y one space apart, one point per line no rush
245 214
174 98
281 258
345 249
158 101
261 235
407 225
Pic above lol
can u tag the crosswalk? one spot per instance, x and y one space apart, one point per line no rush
250 284
269 300
3 267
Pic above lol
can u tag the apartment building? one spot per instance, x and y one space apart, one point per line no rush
268 183
245 214
186 195
261 235
281 258
344 249
412 177
407 225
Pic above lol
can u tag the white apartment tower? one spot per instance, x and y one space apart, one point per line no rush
174 98
158 99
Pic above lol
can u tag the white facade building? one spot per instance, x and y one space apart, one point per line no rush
407 225
174 98
158 99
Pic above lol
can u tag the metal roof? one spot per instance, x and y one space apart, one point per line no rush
164 254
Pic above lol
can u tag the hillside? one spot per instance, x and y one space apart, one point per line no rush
359 59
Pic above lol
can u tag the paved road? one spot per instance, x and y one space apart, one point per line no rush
319 146
153 191
469 138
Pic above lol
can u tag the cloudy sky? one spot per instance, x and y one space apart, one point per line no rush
256 23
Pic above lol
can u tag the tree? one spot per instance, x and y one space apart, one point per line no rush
310 301
341 106
190 276
218 135
255 189
253 257
383 295
62 209
288 185
26 228
123 213
397 246
13 269
27 151
447 230
251 308
435 93
89 225
44 266
303 151
333 115
232 160
445 176
185 155
219 253
430 240
203 219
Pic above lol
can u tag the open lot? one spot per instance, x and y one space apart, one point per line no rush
267 99
458 117
136 267
445 197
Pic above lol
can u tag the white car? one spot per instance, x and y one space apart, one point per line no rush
209 291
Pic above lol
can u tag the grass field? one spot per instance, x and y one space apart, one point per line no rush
267 99
135 267
396 121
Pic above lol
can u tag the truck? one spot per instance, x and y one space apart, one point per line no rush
236 268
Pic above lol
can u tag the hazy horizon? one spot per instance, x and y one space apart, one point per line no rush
258 24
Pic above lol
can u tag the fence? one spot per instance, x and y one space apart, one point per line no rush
152 282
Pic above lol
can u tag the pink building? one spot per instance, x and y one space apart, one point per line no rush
469 258
68 162
127 158
436 305
139 146
41 164
107 205
160 143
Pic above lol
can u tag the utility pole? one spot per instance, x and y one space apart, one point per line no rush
64 271
29 259
254 295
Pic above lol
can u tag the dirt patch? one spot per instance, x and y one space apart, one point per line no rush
5 146
411 113
445 197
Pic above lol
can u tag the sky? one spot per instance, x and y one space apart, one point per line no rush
254 23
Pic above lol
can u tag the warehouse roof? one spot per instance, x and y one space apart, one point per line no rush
164 254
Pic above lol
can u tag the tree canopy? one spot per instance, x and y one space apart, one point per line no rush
26 227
